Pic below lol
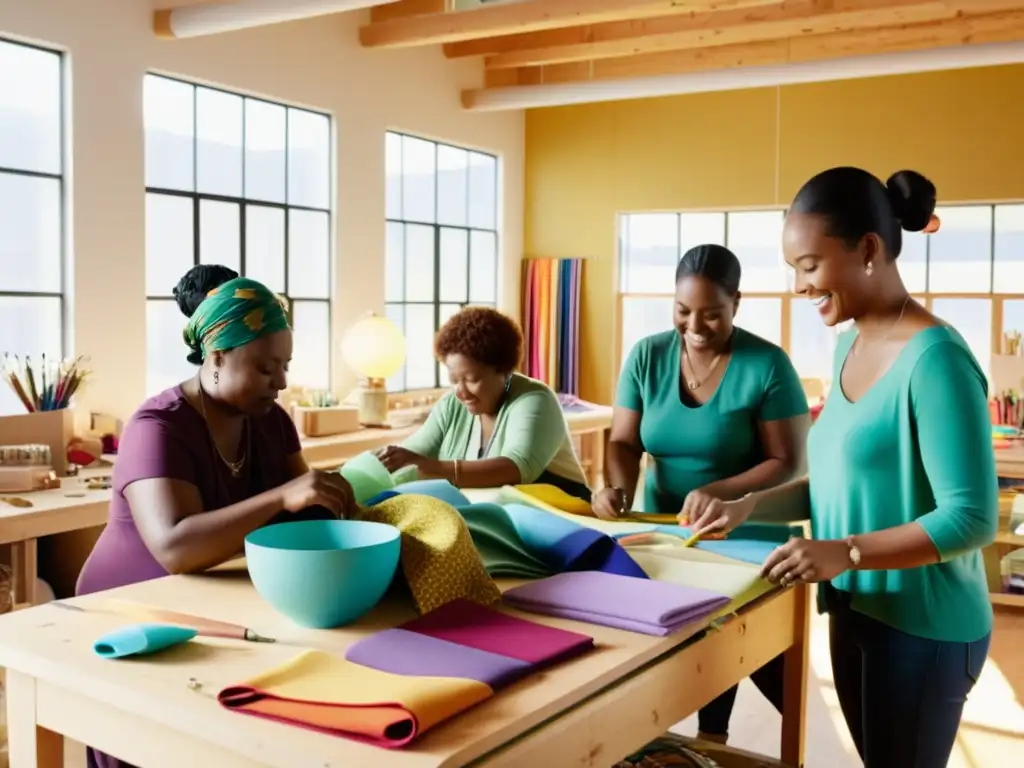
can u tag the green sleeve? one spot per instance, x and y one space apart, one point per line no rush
428 439
784 395
630 393
949 398
534 432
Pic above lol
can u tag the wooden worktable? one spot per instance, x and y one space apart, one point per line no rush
72 508
588 712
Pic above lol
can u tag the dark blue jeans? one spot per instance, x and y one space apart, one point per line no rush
902 696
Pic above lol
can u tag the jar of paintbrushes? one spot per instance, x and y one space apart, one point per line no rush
45 386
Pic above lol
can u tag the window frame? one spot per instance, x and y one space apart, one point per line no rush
437 228
926 297
197 199
62 189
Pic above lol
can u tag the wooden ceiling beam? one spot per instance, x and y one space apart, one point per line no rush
208 18
1002 27
672 33
405 8
518 16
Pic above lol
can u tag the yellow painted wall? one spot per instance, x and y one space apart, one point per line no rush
753 148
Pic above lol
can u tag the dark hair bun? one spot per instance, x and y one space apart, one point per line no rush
197 282
913 199
192 289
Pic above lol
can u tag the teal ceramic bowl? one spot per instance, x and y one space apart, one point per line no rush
323 573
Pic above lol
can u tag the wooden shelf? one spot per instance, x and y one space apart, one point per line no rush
1007 599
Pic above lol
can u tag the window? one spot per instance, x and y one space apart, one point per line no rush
31 207
245 183
970 273
442 244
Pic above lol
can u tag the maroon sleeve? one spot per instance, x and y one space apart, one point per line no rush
152 446
289 434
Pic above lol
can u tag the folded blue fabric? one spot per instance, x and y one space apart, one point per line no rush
528 542
141 639
524 541
438 489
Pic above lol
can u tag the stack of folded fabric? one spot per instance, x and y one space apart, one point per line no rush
515 539
638 605
394 685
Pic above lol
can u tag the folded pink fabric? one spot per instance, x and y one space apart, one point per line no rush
467 623
638 605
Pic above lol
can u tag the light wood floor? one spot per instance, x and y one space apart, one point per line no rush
992 730
991 733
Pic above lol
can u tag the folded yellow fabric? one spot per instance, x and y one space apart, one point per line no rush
555 497
692 568
325 693
439 560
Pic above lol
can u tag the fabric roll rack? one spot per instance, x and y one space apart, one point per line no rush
551 322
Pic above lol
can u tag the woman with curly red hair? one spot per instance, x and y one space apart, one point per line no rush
497 427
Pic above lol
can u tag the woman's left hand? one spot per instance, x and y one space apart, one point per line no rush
394 457
806 560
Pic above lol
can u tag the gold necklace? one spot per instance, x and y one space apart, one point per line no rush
858 352
694 383
234 467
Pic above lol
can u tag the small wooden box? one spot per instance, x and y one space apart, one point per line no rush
324 422
52 428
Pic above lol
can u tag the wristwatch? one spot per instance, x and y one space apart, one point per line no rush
854 552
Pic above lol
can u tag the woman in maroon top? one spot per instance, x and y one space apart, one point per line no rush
204 463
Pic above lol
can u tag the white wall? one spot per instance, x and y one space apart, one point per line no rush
316 63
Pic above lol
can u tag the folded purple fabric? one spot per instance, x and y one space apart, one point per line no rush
638 605
401 652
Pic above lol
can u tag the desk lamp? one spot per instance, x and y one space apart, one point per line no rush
373 347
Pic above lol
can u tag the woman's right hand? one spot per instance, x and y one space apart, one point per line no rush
317 488
722 516
607 504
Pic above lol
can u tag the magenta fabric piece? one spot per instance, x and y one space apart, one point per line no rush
475 626
639 605
402 652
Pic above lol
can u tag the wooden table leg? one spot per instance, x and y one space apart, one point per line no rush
796 672
29 745
25 567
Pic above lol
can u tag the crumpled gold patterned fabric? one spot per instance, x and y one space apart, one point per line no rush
438 558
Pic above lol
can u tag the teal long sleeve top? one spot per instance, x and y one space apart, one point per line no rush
915 448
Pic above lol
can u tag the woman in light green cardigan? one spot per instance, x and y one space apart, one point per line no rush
496 427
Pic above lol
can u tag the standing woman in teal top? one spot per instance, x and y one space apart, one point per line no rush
719 411
902 483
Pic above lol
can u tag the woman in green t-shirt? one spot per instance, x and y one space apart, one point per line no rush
719 412
497 427
902 480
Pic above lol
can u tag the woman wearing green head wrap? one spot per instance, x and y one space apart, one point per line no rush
204 463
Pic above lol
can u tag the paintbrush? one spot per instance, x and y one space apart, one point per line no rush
203 626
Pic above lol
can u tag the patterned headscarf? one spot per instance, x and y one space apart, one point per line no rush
233 314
